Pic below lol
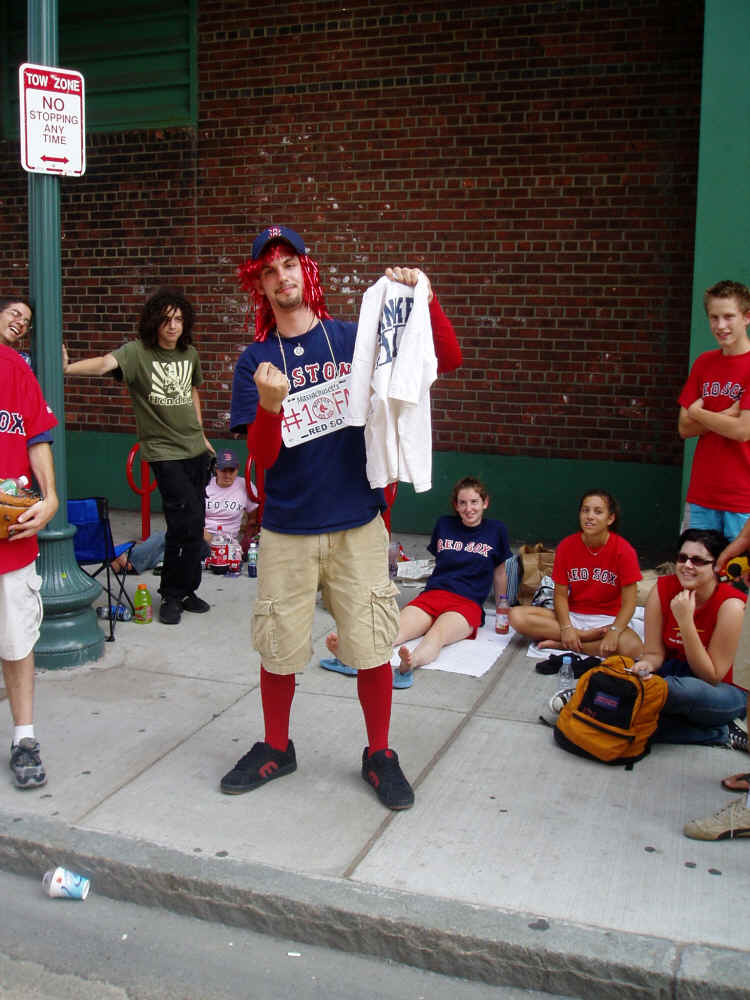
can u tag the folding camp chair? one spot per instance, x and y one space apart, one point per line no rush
94 546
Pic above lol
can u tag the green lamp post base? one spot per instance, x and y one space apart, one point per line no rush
70 633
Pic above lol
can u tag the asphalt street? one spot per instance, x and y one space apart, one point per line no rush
102 949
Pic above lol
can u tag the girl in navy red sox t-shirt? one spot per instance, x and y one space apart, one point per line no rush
470 553
596 578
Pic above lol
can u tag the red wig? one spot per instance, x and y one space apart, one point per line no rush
312 294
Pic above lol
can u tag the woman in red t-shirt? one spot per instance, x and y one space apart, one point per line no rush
596 578
693 624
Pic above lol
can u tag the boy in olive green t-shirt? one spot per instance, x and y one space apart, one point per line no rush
162 371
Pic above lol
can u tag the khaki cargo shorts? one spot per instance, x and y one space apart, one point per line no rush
20 612
351 569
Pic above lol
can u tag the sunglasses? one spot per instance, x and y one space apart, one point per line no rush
683 557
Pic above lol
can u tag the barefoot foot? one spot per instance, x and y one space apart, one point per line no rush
405 655
550 644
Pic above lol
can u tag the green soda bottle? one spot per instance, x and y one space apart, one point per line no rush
144 613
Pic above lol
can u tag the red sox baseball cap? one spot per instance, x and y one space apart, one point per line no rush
227 460
272 233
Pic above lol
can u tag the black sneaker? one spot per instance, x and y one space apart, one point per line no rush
170 611
195 604
737 738
259 766
26 764
384 773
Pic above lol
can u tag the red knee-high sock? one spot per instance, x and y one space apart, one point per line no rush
375 690
276 694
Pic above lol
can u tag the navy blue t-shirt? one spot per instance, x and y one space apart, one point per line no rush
318 483
466 558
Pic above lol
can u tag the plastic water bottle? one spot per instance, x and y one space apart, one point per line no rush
118 611
219 558
14 487
393 554
565 677
234 558
252 559
502 619
144 612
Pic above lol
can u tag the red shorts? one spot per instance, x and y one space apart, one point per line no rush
437 602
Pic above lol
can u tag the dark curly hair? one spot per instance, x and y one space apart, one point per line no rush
160 307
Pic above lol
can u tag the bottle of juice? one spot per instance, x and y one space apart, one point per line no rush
502 624
144 612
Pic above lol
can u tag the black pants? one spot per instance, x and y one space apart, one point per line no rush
182 484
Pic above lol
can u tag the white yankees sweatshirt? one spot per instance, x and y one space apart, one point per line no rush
393 367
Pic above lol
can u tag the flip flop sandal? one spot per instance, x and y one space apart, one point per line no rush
401 681
552 664
737 783
580 664
334 664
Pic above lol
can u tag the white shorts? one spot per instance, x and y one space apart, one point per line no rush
597 621
20 612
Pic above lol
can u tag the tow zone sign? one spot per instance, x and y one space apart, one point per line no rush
52 112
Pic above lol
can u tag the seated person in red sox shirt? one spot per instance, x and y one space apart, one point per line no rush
693 624
470 554
596 577
228 505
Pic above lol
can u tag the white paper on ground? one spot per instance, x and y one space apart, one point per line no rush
471 657
415 569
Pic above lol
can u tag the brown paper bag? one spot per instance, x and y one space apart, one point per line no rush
536 561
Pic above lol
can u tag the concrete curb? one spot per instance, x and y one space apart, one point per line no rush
453 938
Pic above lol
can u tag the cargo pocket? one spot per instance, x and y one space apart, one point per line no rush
385 617
265 632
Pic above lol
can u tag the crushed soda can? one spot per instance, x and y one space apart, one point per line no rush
64 884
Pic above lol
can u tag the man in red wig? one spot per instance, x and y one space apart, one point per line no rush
322 524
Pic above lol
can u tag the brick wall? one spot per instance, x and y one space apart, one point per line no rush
538 160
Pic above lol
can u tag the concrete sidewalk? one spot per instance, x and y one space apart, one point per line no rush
519 864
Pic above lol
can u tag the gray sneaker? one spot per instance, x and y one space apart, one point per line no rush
26 764
737 737
728 823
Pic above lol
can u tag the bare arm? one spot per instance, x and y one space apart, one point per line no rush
687 427
653 648
568 634
36 517
99 365
627 609
732 423
500 580
736 548
197 405
710 663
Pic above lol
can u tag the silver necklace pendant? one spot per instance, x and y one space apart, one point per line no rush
299 350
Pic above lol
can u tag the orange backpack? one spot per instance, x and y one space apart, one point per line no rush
613 713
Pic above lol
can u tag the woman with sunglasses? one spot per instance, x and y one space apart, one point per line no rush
693 627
